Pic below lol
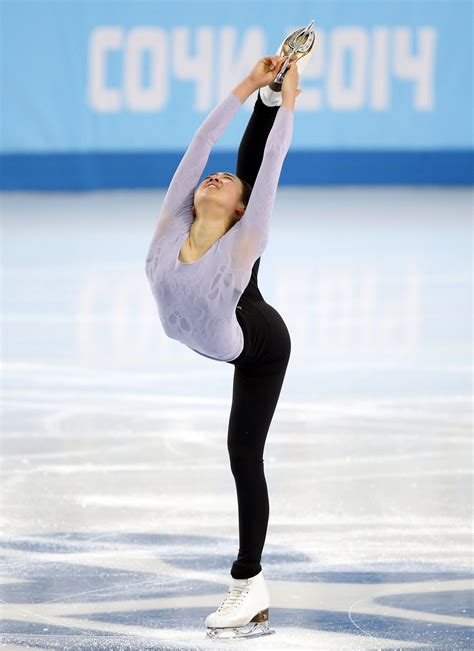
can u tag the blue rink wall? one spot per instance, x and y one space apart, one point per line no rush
109 94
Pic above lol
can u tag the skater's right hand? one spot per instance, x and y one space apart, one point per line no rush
289 87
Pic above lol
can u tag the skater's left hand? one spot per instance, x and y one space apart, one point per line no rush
267 69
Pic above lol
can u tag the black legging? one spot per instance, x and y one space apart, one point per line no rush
258 377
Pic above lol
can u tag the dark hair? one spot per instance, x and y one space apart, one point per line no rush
246 191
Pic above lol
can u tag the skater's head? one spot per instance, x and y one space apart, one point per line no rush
222 197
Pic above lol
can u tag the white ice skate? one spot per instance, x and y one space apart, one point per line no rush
303 43
244 611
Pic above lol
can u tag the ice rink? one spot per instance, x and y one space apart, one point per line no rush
119 510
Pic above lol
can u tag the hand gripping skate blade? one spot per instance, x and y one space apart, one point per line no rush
299 43
257 627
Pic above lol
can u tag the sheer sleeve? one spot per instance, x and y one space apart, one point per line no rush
176 210
254 226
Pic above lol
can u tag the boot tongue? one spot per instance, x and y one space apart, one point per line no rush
232 600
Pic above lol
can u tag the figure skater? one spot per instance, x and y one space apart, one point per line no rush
202 266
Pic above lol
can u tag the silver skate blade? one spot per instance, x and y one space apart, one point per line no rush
252 629
293 44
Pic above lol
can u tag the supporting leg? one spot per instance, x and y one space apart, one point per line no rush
254 399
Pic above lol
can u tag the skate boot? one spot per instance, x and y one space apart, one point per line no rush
244 611
299 46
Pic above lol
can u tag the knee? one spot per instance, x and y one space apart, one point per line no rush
245 465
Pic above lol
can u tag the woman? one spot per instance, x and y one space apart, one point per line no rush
202 266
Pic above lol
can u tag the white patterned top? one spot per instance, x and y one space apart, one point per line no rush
196 301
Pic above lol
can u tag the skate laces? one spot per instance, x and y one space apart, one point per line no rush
233 598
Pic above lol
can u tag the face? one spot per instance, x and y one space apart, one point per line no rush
220 189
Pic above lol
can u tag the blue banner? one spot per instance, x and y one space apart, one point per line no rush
92 89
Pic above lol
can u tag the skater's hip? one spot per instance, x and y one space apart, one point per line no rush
266 337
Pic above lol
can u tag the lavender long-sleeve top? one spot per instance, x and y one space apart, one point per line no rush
196 301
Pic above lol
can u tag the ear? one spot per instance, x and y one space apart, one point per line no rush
240 210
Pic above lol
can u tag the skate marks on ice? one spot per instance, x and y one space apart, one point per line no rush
367 459
113 591
74 448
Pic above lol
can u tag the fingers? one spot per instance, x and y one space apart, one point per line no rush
278 59
275 61
293 69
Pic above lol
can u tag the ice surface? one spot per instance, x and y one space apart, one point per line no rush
119 513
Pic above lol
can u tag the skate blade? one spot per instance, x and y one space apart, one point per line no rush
252 629
304 39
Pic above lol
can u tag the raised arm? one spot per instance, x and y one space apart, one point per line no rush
176 210
254 226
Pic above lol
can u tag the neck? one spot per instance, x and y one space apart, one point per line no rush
205 232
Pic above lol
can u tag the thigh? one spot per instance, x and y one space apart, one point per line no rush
249 160
254 139
254 399
252 291
259 372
